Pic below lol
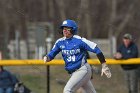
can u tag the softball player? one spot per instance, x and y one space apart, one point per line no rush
73 49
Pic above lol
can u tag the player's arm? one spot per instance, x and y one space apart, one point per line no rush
54 51
91 46
99 54
105 69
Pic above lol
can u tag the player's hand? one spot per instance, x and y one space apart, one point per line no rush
46 59
105 70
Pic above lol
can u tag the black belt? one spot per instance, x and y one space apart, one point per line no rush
70 72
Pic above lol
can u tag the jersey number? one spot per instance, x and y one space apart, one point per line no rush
71 58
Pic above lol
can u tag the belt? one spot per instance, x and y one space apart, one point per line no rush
70 72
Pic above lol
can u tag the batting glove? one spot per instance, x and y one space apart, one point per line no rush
46 59
105 70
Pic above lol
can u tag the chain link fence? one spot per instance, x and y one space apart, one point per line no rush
35 78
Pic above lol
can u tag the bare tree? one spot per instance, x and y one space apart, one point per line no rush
61 6
84 13
114 31
4 16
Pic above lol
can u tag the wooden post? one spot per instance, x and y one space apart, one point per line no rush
0 55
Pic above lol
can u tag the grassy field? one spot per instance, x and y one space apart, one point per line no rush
34 77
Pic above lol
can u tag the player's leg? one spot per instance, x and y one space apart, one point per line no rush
88 87
77 79
80 90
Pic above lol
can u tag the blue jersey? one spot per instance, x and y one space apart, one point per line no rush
73 51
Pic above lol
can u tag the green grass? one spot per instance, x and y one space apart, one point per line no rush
34 77
36 86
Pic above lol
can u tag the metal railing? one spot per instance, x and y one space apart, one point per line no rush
61 62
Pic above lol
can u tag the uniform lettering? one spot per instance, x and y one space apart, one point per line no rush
70 52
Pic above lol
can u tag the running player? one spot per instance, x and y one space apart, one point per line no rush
73 49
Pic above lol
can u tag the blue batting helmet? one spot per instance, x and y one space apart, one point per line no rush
70 23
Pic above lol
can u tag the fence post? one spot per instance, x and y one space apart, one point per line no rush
0 55
48 78
49 45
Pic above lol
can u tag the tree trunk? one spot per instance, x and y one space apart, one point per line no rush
51 10
44 10
112 27
125 20
88 20
61 6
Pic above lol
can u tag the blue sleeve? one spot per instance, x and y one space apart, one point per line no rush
97 50
55 50
99 54
87 45
90 46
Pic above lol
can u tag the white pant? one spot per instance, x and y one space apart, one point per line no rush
80 78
